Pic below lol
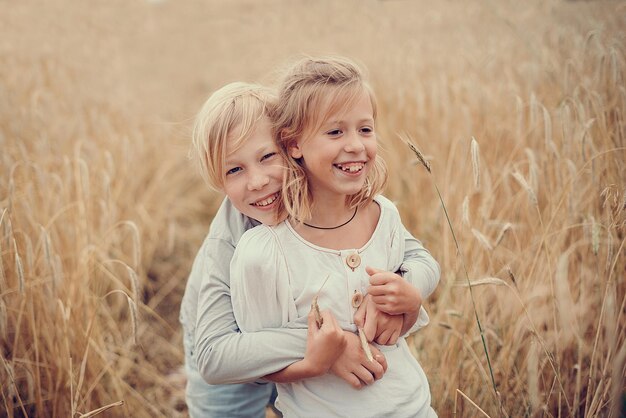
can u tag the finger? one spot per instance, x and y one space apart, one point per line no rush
382 360
359 316
389 308
386 301
394 338
373 270
377 290
334 322
370 327
375 369
328 318
311 322
354 381
379 279
384 337
364 375
379 302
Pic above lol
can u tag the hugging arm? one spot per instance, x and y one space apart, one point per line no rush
224 354
262 297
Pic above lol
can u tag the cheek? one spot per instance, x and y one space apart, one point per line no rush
235 191
278 171
372 148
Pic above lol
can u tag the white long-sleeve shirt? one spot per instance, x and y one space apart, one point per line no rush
224 354
275 273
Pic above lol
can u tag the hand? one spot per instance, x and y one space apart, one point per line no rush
324 345
391 293
354 367
379 326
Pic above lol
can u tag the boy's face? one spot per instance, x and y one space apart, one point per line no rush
253 175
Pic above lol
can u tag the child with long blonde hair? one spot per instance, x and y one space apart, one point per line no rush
235 148
341 246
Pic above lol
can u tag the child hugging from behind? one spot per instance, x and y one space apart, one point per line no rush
342 243
235 146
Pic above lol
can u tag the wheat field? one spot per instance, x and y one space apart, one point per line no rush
518 107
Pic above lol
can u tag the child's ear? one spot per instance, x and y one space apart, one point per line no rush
294 150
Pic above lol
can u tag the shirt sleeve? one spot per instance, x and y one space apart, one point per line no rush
260 291
224 354
419 267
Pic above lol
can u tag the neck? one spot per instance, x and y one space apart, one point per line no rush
330 211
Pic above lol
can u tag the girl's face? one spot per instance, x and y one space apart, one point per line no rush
253 175
338 156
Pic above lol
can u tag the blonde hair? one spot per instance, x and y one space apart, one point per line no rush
231 113
312 90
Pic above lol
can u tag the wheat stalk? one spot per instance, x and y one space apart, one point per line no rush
365 345
101 409
506 227
465 211
475 151
532 196
19 268
132 307
316 307
421 159
482 239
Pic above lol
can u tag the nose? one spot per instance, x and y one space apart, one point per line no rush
354 143
257 180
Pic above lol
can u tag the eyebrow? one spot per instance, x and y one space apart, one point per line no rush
339 121
269 147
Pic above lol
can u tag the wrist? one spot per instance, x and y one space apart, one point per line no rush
417 302
309 368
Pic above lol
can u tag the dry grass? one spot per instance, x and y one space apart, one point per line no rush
101 214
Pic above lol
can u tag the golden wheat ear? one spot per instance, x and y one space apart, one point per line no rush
316 307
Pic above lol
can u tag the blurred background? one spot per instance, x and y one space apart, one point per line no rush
518 106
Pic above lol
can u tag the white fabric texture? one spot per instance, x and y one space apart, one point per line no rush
274 275
224 355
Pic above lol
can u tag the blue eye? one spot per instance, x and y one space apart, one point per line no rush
367 130
334 132
233 170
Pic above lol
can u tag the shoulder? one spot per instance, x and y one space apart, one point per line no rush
391 228
260 233
260 243
229 224
388 210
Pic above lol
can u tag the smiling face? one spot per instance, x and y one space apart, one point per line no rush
339 154
253 174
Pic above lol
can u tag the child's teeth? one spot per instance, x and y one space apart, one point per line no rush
353 168
267 201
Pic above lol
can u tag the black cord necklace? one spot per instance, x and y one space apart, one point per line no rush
334 227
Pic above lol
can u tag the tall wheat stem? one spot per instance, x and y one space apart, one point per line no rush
423 161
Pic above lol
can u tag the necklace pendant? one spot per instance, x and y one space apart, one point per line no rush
353 261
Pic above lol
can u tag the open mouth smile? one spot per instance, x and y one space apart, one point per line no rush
351 168
266 201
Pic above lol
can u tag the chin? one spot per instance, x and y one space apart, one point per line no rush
266 218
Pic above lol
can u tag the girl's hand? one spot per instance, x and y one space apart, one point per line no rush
354 367
324 345
392 294
379 327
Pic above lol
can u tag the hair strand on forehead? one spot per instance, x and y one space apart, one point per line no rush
230 114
